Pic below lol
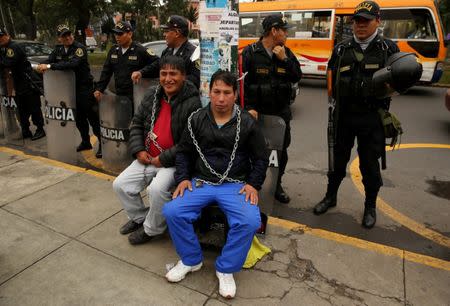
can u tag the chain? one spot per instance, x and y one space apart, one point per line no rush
222 177
150 134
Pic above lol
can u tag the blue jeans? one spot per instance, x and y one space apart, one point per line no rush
243 219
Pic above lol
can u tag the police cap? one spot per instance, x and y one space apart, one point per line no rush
368 10
177 22
275 20
62 29
122 27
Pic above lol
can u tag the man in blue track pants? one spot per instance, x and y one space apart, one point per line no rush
221 158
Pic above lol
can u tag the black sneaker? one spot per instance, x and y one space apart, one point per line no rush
40 133
139 237
281 195
370 217
84 145
323 205
129 227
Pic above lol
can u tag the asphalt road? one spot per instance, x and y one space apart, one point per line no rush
416 183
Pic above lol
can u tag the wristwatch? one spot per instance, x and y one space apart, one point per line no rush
49 66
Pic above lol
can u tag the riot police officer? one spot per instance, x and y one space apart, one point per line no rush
176 33
71 55
122 60
352 65
13 57
272 68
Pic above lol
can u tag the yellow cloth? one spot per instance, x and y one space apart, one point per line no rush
256 252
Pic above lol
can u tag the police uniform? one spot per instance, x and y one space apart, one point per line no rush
268 84
13 57
357 115
75 58
122 65
185 51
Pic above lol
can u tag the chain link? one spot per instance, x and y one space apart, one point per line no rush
150 134
222 177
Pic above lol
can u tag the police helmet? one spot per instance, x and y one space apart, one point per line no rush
402 71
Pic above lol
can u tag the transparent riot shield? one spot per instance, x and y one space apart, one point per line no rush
60 112
11 129
273 128
116 113
140 89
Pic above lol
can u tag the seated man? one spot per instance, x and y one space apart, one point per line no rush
155 131
221 159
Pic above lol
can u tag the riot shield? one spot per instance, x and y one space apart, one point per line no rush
140 89
12 131
116 113
60 112
273 128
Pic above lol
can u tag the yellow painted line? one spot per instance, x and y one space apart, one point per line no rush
395 214
363 244
355 242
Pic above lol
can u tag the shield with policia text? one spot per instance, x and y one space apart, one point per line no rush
140 89
116 113
60 112
11 129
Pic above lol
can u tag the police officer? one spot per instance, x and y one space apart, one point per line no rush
122 59
176 33
272 68
353 62
13 57
71 55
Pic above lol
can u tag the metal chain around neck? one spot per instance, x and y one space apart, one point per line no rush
222 177
150 134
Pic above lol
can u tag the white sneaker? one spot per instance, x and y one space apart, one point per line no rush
179 272
227 286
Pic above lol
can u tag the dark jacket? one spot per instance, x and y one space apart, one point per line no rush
183 104
251 160
13 57
268 84
75 59
123 65
185 51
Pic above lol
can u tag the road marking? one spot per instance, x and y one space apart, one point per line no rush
395 214
340 238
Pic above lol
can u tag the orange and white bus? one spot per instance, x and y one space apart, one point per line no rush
415 25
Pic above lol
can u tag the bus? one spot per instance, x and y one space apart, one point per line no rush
415 26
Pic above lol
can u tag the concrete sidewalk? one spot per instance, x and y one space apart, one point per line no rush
60 245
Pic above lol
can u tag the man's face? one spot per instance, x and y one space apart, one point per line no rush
279 36
123 39
363 28
66 39
4 39
171 80
171 36
222 97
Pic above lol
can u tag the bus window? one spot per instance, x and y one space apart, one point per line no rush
408 24
344 28
309 24
249 25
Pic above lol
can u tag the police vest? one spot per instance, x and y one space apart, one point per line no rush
355 70
271 85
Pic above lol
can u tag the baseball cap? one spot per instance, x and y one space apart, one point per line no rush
122 27
367 10
275 20
176 22
62 29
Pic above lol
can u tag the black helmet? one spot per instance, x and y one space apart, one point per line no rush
402 71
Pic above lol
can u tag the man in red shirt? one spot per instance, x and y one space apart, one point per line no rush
155 131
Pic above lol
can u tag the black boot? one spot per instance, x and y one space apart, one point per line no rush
84 145
327 202
281 195
370 216
99 151
40 133
26 134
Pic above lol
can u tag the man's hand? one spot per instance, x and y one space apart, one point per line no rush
250 193
42 68
98 95
144 157
279 52
181 188
253 113
136 76
156 162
